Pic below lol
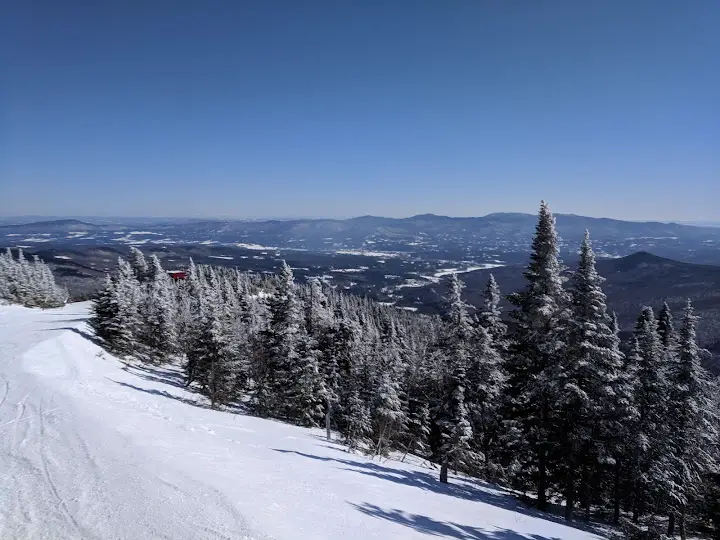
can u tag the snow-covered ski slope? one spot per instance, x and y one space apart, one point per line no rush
93 449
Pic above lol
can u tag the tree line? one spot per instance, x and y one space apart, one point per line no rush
545 399
29 282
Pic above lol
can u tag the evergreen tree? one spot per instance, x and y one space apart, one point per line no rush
692 411
592 369
29 283
159 330
357 421
541 319
281 341
138 264
456 428
491 315
651 399
105 315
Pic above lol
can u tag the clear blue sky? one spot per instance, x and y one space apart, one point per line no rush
336 108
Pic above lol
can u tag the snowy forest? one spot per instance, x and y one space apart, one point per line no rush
29 283
544 399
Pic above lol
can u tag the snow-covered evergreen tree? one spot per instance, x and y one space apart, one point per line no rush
693 436
538 345
456 429
491 315
31 284
158 310
139 264
277 385
651 430
591 370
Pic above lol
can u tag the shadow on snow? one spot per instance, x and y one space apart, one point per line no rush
469 489
444 529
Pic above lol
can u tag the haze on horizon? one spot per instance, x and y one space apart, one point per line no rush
325 109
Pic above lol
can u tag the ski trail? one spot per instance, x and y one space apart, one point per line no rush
49 479
89 450
68 472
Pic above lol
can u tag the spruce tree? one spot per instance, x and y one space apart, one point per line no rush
591 371
692 412
491 315
650 451
541 318
456 429
158 311
138 264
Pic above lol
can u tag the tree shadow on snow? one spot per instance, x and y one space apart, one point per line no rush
156 374
445 529
162 393
468 489
79 331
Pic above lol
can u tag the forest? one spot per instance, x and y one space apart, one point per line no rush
544 398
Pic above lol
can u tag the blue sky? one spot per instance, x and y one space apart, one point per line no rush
348 107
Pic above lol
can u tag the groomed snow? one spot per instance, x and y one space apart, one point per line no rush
93 448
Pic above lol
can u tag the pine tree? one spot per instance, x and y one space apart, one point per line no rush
485 387
138 264
692 411
158 310
418 429
666 328
31 284
456 428
491 315
216 357
651 399
541 317
591 371
105 314
129 297
388 412
276 387
356 420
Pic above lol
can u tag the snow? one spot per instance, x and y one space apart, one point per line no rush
36 239
91 447
366 253
145 232
257 247
447 271
220 257
349 270
65 257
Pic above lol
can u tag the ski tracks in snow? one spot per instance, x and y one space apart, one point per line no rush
67 474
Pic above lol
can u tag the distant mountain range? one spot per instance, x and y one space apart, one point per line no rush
402 261
429 236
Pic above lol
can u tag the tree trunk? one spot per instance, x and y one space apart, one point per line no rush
327 420
542 481
587 500
683 534
569 497
444 471
616 494
671 524
586 492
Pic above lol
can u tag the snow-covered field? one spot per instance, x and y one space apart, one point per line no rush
91 448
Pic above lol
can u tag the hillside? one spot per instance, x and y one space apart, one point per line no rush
94 448
640 279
